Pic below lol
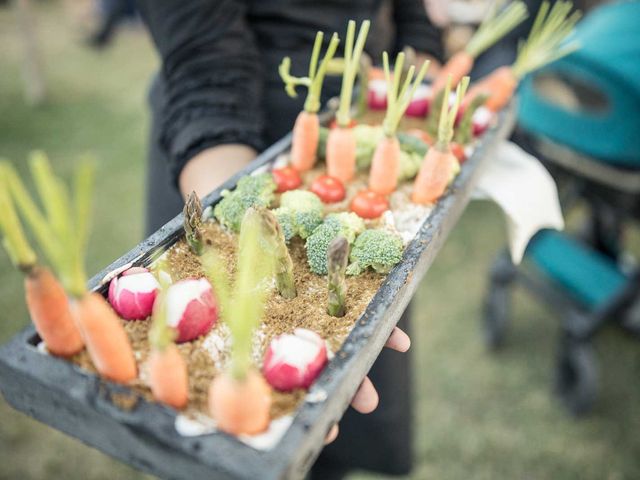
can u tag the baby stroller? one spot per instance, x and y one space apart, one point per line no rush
589 139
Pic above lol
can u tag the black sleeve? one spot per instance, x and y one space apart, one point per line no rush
414 29
212 73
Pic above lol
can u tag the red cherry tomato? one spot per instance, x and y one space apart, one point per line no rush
369 204
422 135
458 151
286 178
329 189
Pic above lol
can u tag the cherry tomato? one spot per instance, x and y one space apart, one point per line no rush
422 135
286 178
458 151
369 204
329 189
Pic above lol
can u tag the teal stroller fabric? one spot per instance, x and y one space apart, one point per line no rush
608 62
592 279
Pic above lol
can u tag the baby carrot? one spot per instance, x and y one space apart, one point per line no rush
494 27
46 300
385 165
439 165
168 375
306 130
545 44
239 398
63 235
341 151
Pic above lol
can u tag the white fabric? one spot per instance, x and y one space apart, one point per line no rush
525 192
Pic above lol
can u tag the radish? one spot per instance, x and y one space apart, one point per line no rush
191 308
294 360
133 293
481 120
419 105
377 94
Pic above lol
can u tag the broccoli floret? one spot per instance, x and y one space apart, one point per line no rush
300 213
251 191
285 219
378 249
346 224
409 165
367 139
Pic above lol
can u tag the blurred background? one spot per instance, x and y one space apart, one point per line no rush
480 415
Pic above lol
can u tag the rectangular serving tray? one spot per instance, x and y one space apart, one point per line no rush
78 403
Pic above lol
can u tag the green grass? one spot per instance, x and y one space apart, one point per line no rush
479 416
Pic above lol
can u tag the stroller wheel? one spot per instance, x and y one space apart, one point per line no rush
576 381
496 315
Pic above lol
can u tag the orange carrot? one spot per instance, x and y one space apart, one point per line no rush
49 309
304 143
239 398
62 235
385 165
341 143
306 131
495 26
105 337
439 165
168 376
341 153
499 85
240 406
434 176
544 45
45 297
457 67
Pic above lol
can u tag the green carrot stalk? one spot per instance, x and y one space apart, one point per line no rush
495 26
13 238
283 265
399 97
316 75
547 39
464 132
448 114
351 66
337 259
433 120
62 232
192 213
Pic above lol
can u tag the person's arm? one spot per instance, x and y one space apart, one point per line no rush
415 29
211 123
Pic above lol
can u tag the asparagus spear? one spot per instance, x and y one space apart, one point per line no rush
337 259
193 223
283 265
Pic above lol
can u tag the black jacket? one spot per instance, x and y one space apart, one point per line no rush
219 79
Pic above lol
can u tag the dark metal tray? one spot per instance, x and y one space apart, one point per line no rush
78 403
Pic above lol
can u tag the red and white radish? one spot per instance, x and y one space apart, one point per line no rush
133 293
481 120
377 94
294 360
191 308
419 105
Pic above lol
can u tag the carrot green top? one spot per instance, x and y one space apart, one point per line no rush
62 230
351 66
314 81
495 26
546 41
448 114
13 237
398 98
243 310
